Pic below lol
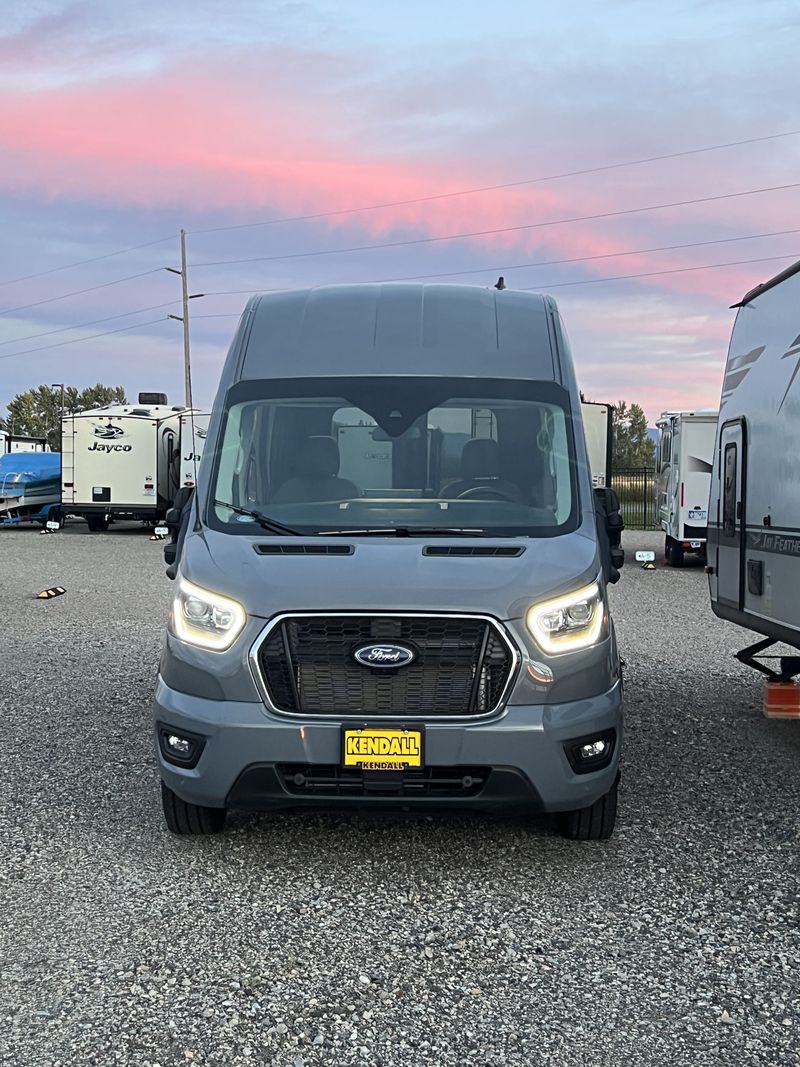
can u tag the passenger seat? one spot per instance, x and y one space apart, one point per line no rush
316 478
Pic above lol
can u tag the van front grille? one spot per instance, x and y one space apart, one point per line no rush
461 667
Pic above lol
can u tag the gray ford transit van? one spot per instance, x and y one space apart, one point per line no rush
390 582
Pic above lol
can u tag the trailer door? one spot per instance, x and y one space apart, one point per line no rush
732 460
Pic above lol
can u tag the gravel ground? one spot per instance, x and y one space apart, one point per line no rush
300 941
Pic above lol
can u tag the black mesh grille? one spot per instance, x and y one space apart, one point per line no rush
305 780
461 666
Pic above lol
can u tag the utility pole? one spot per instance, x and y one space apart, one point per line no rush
185 298
60 385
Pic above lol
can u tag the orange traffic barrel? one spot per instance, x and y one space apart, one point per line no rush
782 700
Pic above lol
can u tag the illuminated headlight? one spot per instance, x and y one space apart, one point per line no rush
206 619
569 622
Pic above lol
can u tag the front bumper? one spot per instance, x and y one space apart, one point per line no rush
249 755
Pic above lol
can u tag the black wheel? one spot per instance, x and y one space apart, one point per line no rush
674 553
183 818
97 523
595 823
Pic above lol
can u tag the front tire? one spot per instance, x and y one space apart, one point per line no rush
189 819
595 823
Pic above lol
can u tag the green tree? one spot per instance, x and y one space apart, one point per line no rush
37 412
632 446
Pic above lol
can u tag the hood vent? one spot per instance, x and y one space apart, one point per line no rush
482 551
293 549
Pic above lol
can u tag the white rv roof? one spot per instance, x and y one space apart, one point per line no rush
141 411
704 413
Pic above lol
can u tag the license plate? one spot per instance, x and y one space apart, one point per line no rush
379 748
694 513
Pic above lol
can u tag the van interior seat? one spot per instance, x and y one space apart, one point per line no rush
316 475
480 468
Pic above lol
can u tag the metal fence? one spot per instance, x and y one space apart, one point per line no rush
636 489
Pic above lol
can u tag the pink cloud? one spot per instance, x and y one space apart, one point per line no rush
248 137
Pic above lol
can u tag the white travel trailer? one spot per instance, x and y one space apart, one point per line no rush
685 458
754 517
10 442
598 430
120 462
192 439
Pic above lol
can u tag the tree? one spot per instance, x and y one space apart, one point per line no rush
632 446
37 412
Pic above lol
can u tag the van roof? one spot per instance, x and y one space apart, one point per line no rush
408 328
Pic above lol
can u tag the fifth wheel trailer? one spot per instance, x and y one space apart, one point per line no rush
120 462
685 458
754 512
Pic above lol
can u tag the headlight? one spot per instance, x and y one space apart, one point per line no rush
569 622
206 619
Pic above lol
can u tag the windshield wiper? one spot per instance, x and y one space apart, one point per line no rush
263 520
406 531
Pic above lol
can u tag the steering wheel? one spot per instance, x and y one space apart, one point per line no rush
486 492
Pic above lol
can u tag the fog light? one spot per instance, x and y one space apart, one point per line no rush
182 746
592 753
183 749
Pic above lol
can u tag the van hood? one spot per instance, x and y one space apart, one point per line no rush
389 574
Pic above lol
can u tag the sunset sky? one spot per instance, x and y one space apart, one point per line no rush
121 123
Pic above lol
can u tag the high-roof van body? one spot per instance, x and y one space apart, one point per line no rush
391 578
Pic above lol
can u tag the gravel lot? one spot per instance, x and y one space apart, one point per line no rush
299 941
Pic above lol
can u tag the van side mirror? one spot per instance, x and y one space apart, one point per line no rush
177 519
610 525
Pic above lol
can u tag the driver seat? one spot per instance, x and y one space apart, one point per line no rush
480 469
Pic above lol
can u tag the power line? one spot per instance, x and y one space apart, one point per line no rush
503 185
500 229
80 292
583 259
83 262
656 273
79 340
93 322
524 288
254 291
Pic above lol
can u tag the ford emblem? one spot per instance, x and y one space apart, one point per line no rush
384 655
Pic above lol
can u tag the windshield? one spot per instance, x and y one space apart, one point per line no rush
379 454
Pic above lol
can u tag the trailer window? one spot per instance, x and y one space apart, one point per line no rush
729 491
666 448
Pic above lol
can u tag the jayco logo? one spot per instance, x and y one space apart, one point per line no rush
109 432
97 447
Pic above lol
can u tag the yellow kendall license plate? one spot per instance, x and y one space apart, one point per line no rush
376 748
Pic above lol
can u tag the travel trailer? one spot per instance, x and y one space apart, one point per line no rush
754 517
14 443
30 488
121 462
597 426
391 577
685 457
192 439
